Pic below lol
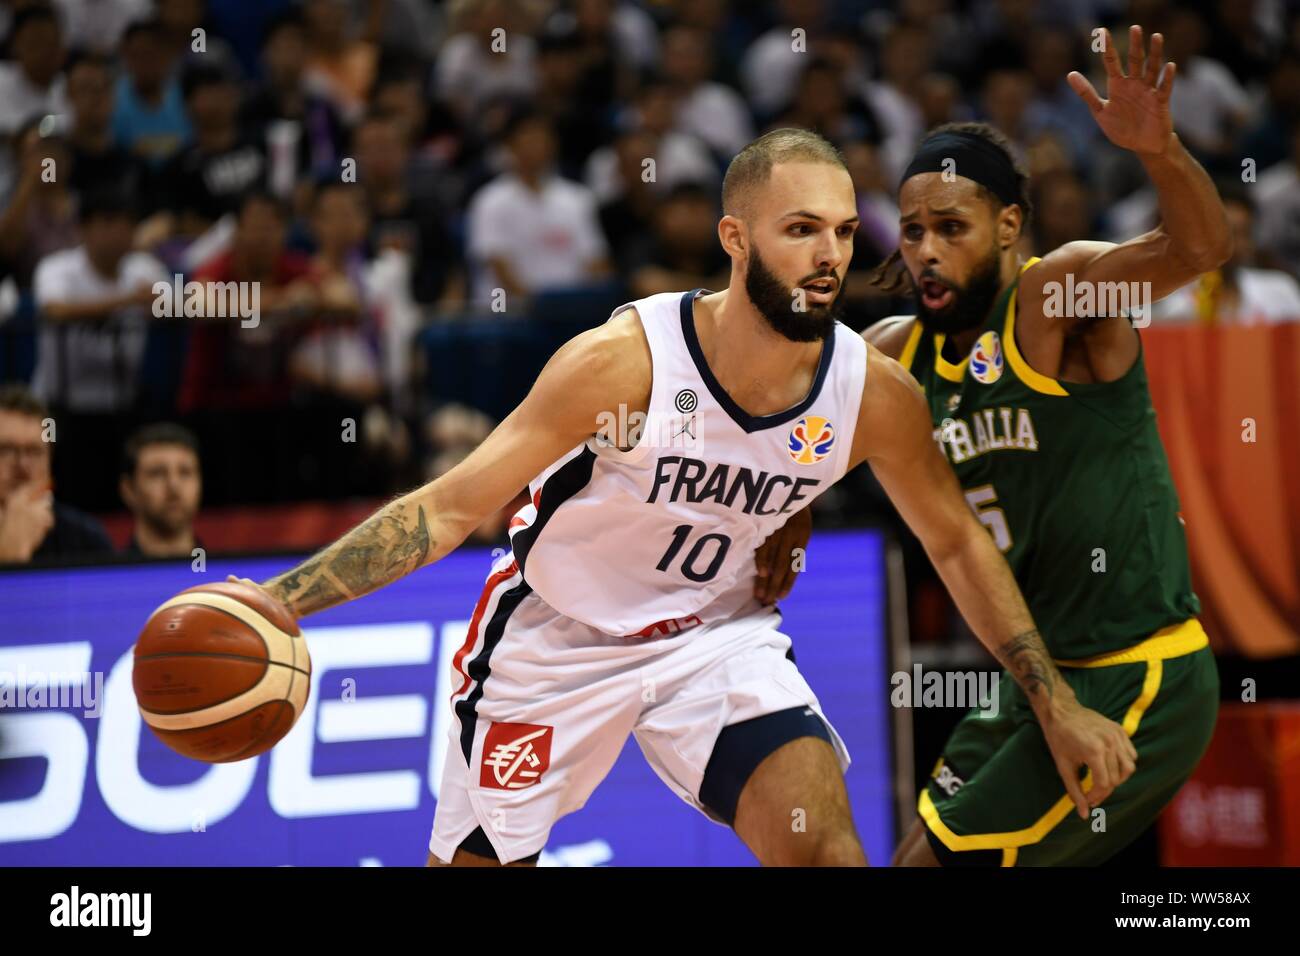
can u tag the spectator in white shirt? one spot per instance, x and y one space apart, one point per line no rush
1238 293
713 112
94 300
486 57
30 85
529 230
1278 199
98 24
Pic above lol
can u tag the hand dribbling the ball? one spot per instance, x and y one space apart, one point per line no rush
233 579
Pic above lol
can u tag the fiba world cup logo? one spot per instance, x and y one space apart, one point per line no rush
811 440
986 359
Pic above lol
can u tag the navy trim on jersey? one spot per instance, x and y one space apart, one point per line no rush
750 423
480 667
566 481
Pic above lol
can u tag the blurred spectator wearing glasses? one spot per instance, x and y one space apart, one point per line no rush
161 484
34 527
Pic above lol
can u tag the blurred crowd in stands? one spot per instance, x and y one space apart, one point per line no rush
428 198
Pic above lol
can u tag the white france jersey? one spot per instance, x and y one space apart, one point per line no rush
645 541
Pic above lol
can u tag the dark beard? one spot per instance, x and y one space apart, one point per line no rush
775 303
162 525
970 303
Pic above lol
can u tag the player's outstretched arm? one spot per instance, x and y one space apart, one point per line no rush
594 372
895 435
1193 235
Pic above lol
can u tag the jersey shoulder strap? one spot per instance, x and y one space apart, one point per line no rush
848 376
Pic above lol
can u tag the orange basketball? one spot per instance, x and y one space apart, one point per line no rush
221 672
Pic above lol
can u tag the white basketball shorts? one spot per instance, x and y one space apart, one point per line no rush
543 705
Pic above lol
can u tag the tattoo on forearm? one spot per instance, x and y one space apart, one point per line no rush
393 542
320 593
1026 657
293 580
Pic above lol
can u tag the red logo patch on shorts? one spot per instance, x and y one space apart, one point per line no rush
515 756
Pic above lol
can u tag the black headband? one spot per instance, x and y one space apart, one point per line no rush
970 157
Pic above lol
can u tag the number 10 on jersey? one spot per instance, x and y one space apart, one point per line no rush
698 553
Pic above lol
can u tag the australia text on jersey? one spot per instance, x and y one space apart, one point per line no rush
989 430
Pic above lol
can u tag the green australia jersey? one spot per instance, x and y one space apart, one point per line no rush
1072 482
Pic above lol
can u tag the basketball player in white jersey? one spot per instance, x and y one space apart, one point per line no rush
626 604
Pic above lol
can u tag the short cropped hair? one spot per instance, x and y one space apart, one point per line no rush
19 399
160 433
752 166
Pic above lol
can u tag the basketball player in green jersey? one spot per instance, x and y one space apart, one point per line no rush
1040 402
